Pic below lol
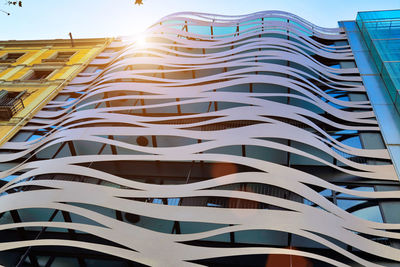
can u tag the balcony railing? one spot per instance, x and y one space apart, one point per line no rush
9 104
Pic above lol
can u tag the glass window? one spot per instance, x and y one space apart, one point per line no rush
11 57
37 75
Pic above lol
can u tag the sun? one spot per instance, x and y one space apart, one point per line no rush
140 40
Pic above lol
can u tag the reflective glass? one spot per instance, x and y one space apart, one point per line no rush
371 214
381 31
224 30
205 30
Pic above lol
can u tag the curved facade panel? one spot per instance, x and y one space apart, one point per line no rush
241 140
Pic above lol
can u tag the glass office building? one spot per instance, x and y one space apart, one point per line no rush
381 32
254 140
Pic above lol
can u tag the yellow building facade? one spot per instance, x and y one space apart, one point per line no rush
33 72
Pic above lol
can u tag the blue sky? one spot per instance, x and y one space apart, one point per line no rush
53 19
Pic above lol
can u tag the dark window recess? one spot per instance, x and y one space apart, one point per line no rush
10 103
11 57
60 57
39 75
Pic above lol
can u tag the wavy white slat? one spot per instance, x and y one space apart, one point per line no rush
330 222
101 194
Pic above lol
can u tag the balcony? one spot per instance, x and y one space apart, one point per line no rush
10 103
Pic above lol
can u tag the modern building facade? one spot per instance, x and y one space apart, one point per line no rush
254 140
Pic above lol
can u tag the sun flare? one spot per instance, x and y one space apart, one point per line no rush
140 41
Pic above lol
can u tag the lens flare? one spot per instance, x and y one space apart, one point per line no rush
140 41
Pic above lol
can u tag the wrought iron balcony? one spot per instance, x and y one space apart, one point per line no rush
10 104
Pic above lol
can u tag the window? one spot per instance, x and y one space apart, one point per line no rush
92 69
11 57
59 57
37 75
64 55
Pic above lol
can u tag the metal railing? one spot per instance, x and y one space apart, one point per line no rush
9 106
